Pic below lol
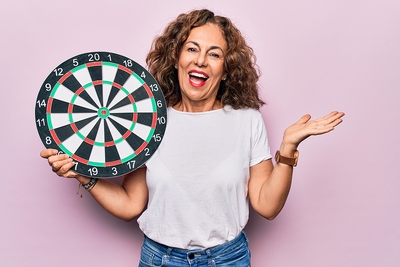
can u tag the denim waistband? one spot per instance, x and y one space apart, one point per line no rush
219 249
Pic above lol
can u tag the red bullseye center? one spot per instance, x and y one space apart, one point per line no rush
103 113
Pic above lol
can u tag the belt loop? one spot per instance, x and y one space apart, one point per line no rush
165 258
169 250
211 261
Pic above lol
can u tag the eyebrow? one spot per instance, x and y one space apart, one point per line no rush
211 48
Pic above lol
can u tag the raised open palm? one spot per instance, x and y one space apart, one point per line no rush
306 127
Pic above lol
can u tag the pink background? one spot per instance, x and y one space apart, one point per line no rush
315 56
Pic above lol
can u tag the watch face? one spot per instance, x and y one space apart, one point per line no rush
277 154
104 110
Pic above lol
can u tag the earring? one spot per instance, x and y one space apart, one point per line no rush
176 66
224 78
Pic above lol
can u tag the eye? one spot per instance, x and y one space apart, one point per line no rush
215 55
191 49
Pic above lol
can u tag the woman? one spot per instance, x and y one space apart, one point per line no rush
214 157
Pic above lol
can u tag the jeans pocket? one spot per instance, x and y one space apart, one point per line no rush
239 257
150 259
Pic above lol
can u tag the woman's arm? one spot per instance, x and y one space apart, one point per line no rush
124 201
269 186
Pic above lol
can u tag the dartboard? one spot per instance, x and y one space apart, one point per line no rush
104 110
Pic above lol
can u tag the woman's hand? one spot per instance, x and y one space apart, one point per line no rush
61 164
305 127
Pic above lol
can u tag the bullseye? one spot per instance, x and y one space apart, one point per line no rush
103 113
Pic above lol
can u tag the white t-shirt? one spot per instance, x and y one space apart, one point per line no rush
198 177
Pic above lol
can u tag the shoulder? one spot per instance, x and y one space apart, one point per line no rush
249 113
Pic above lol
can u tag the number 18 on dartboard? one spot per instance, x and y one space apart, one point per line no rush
104 110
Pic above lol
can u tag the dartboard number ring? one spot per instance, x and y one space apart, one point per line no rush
104 110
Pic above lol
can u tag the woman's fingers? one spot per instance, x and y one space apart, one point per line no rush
61 164
306 127
46 153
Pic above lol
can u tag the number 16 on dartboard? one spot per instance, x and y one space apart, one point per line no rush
104 110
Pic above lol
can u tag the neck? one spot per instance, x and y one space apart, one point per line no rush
194 107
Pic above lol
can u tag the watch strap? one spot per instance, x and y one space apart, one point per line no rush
286 160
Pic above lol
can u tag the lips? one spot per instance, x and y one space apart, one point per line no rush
197 78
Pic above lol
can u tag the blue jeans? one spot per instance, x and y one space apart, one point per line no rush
233 253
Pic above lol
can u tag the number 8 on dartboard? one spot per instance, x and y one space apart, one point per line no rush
104 110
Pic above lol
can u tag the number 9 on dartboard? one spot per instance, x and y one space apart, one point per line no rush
104 110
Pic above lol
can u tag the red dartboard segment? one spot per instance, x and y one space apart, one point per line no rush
117 85
131 99
63 78
102 140
97 82
148 90
93 64
125 69
89 141
140 149
74 128
70 108
107 144
49 103
113 163
53 134
79 159
154 122
126 134
79 91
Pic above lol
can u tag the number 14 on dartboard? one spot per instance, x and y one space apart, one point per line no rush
104 110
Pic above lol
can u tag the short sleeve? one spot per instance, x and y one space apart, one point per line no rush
260 149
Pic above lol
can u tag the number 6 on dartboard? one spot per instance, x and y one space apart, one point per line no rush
104 110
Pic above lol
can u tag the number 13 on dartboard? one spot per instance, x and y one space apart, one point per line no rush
104 110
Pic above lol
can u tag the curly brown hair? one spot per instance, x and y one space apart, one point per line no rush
239 90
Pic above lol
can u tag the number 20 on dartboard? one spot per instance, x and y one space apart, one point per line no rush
104 110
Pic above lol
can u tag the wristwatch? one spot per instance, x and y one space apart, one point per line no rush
285 160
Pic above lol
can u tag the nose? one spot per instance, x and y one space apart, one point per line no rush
201 59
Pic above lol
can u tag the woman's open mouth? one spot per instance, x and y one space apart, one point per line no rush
197 78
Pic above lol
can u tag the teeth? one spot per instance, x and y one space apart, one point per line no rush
199 75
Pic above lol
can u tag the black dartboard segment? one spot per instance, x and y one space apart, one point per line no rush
104 110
